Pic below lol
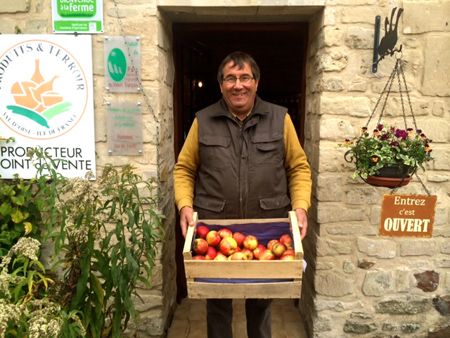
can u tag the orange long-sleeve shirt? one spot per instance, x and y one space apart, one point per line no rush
296 164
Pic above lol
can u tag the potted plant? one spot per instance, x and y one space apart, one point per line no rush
389 155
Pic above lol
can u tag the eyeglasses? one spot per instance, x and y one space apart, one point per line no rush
244 79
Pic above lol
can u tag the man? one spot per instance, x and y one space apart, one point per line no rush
241 159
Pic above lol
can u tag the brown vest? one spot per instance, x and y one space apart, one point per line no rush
241 170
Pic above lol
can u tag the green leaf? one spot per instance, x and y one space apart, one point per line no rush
17 216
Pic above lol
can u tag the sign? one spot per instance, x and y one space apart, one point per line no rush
124 128
81 16
122 64
407 215
46 88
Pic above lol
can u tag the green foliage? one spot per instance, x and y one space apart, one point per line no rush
103 235
387 147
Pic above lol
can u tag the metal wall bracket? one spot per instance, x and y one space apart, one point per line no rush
387 44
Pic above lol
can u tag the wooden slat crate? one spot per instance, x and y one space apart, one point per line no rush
274 278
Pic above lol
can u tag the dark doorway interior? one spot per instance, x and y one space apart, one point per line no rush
278 48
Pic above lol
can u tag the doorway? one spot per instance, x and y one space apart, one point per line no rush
280 49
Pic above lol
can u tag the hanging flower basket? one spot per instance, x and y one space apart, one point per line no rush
389 155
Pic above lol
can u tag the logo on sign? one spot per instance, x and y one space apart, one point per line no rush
44 90
117 65
74 8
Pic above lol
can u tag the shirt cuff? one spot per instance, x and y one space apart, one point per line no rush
184 202
300 204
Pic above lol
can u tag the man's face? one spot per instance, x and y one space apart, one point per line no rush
239 95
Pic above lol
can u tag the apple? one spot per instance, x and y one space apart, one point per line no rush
239 237
227 246
225 232
200 246
211 253
259 250
250 242
248 253
290 252
220 257
201 231
267 255
278 249
286 239
287 258
238 256
213 238
271 243
199 258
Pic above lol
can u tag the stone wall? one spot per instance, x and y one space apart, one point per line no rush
365 284
140 18
357 283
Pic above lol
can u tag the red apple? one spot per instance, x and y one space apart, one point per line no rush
278 249
213 238
286 239
239 237
225 232
267 255
259 250
238 256
227 246
201 231
248 253
220 257
287 258
250 242
211 253
200 246
199 258
289 252
271 243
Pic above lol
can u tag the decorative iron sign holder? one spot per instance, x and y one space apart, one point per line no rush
386 46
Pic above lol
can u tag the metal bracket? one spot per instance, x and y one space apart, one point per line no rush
387 44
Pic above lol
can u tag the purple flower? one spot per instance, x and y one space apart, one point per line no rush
401 134
380 127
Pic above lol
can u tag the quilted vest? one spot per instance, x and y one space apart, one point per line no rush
241 170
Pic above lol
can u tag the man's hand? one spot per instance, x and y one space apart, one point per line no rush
186 219
302 219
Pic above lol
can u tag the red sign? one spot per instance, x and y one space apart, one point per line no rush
407 215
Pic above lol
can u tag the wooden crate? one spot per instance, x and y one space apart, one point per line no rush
269 279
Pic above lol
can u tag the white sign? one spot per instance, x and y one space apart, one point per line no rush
81 16
46 88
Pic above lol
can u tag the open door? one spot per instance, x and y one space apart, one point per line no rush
278 48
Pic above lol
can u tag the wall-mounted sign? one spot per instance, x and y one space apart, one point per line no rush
122 64
81 16
124 128
46 91
407 215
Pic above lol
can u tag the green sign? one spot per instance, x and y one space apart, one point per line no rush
117 65
76 8
83 16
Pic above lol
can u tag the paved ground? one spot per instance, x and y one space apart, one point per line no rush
190 315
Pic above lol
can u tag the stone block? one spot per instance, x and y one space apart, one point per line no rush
378 283
334 61
332 36
425 16
403 306
355 327
349 229
356 106
332 284
359 38
357 84
335 129
337 305
357 14
332 212
417 247
327 189
441 154
404 281
381 248
14 6
436 77
436 129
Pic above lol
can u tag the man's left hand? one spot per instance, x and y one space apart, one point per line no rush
302 219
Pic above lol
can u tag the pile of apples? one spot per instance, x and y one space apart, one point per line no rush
224 244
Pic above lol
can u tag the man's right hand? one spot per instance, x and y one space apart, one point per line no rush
186 219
